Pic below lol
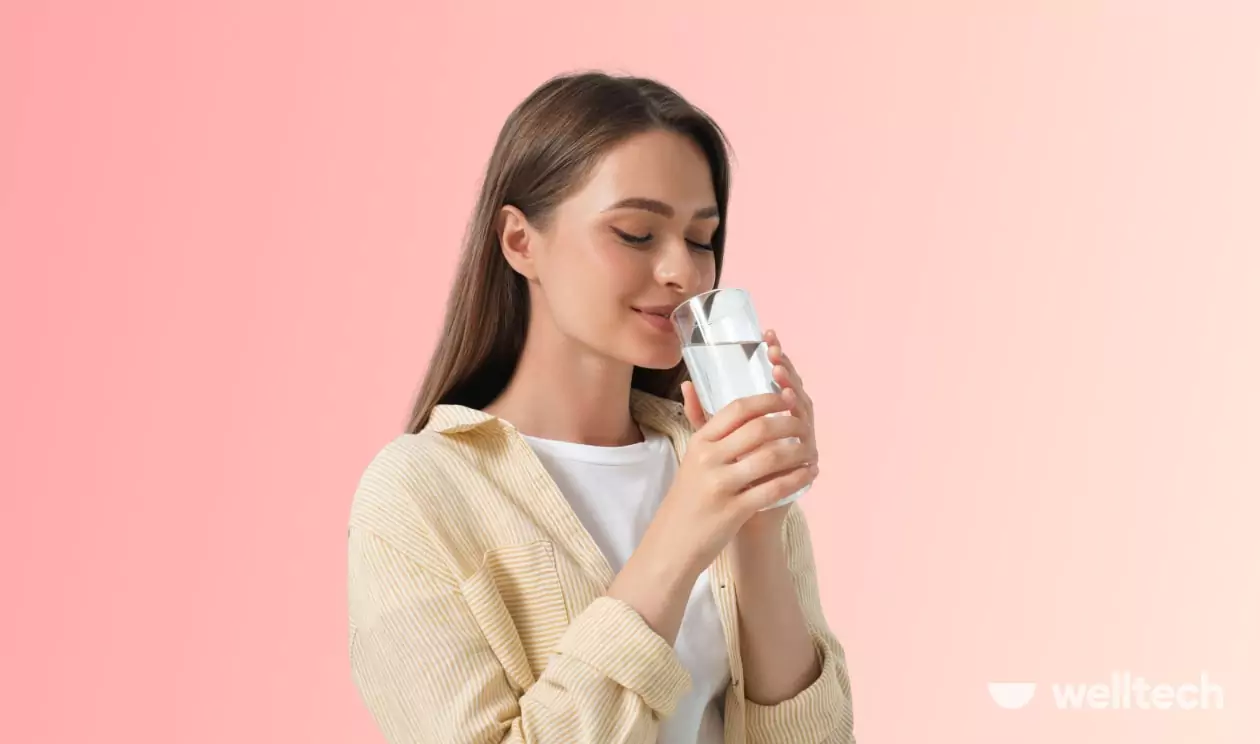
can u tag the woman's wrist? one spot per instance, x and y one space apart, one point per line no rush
758 540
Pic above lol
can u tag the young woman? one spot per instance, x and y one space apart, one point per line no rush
561 548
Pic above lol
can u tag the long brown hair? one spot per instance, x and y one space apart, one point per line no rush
546 148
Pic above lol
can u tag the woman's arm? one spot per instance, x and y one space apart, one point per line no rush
427 673
796 684
777 650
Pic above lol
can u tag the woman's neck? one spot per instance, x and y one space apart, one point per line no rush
564 391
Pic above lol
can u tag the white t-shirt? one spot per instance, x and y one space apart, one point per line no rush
615 492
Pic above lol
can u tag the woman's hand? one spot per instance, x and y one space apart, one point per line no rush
739 462
799 405
786 376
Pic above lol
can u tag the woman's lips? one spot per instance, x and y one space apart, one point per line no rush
657 319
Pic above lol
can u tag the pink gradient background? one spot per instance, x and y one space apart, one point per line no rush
228 233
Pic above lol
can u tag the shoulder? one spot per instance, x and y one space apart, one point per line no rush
400 490
400 468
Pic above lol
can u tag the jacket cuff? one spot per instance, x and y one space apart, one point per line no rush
814 715
616 641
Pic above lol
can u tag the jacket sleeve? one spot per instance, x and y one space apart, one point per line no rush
426 671
823 712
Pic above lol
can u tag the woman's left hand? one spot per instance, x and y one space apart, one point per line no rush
785 374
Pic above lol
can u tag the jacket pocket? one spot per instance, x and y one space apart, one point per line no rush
517 599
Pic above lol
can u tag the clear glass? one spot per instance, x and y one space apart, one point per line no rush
725 352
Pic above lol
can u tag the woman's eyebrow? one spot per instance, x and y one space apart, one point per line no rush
660 207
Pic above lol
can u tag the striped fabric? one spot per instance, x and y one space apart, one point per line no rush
477 607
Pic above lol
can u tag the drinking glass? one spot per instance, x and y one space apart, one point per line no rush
725 352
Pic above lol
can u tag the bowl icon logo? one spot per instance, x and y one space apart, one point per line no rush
1012 695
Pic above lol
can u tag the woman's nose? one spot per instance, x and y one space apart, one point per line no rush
677 267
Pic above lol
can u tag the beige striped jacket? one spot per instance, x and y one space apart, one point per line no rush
477 607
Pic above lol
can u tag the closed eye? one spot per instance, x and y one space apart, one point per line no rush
644 239
632 239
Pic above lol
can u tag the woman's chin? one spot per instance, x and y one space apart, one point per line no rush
662 352
658 359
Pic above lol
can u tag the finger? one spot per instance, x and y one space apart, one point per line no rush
799 405
759 432
768 461
692 407
786 377
785 374
774 350
786 382
783 362
773 490
742 410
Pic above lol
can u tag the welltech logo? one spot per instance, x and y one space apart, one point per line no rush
1123 691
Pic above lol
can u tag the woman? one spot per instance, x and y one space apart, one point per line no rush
562 548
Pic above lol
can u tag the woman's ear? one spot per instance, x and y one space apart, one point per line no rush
515 240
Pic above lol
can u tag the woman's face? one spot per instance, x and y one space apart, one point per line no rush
624 250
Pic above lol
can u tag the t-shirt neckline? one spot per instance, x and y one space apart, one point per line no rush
593 453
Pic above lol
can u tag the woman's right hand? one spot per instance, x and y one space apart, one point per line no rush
738 462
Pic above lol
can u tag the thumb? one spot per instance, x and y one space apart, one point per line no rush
692 407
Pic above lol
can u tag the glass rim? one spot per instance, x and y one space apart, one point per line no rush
737 290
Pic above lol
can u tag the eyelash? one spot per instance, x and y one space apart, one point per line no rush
638 240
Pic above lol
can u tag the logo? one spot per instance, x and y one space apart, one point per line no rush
1122 691
1012 695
